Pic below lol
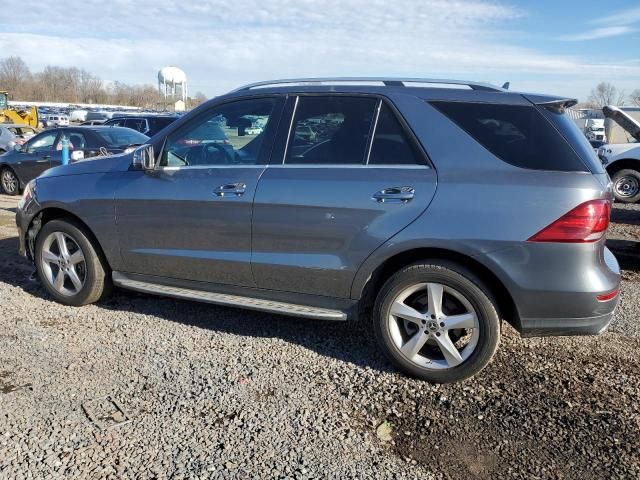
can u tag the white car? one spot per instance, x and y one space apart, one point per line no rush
56 120
622 160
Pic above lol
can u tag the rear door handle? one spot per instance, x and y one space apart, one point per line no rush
394 195
229 189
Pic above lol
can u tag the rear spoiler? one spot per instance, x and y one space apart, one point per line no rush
555 104
622 118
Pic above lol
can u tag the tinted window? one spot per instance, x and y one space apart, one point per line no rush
121 137
159 123
139 124
576 138
331 130
391 145
519 135
225 136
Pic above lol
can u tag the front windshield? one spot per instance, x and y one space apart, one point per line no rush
121 137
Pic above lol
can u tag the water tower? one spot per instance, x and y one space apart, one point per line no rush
171 81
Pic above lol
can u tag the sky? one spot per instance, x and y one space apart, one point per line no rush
562 47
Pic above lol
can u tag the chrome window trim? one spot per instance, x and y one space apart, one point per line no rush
374 129
351 165
207 167
293 119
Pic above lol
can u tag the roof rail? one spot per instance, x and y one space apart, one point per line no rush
389 82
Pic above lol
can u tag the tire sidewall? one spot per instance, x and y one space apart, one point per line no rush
626 173
445 274
90 261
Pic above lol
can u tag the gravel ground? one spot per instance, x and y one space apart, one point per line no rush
147 387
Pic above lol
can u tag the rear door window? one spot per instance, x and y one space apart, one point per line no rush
517 134
331 130
391 144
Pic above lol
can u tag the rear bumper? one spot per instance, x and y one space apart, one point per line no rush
555 287
543 327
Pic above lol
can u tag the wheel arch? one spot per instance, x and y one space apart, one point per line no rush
505 304
630 163
48 214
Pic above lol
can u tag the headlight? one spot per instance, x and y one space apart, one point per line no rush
28 194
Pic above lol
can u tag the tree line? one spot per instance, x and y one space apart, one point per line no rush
76 85
606 93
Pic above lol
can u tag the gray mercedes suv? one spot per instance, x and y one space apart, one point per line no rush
437 208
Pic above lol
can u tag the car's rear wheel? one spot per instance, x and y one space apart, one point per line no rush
9 181
68 264
436 321
626 185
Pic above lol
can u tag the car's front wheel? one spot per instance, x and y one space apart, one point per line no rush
626 185
9 181
68 264
436 321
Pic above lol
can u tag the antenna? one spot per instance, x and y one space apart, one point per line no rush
505 85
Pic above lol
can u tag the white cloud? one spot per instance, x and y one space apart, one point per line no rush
223 44
624 17
598 33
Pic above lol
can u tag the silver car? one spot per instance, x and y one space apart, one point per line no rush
12 134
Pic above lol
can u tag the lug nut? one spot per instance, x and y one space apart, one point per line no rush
437 334
433 316
442 324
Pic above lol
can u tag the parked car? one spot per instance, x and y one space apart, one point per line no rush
12 134
93 122
55 120
622 160
97 116
148 124
435 211
43 151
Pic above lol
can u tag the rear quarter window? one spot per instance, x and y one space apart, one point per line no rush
519 135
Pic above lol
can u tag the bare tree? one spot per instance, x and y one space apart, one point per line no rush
634 97
197 99
72 85
606 93
14 76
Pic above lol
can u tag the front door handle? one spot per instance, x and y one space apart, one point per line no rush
236 189
44 159
394 195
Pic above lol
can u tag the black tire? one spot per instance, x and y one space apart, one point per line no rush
97 279
9 181
450 275
626 185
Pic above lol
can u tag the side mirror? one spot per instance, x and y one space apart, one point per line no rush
77 155
144 158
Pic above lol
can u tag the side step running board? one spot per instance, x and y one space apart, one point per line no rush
229 300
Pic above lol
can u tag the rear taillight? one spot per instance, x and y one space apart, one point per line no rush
588 222
608 296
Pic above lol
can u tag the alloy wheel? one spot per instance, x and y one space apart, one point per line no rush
9 181
433 326
63 263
